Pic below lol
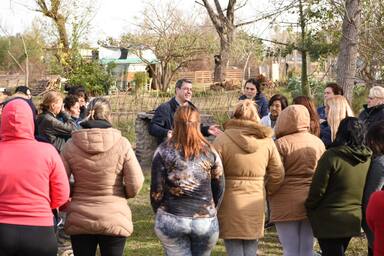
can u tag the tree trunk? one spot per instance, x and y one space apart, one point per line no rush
63 36
346 61
305 89
53 12
162 77
221 60
225 28
245 66
217 70
26 62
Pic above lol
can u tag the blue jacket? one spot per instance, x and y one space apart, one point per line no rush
325 134
261 102
321 112
162 121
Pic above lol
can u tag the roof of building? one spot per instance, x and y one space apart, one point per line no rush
129 60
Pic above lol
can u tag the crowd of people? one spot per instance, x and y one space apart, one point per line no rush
315 168
66 163
316 174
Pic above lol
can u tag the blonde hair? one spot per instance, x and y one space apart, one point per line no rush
48 99
99 109
376 92
338 109
246 110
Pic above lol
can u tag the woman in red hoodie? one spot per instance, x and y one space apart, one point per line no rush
32 182
375 220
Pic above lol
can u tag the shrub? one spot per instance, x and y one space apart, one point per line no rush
317 88
360 94
140 79
95 78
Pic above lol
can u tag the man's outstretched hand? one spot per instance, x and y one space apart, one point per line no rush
214 130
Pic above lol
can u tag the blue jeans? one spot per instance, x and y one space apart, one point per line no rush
184 236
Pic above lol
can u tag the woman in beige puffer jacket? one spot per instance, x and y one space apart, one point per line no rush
106 174
300 151
251 164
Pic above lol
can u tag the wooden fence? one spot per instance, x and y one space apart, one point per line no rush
125 108
206 76
11 80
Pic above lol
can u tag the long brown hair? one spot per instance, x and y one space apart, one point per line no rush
314 117
186 134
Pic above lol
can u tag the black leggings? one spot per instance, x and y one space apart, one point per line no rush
20 240
334 246
85 245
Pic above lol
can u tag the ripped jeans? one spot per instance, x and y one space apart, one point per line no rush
184 236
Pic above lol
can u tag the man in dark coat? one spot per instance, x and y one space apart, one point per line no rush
162 123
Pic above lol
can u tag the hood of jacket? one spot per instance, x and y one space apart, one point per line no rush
246 134
17 121
293 119
95 140
355 155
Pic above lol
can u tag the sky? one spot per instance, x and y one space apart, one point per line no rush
113 17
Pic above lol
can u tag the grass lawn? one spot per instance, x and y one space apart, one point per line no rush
144 241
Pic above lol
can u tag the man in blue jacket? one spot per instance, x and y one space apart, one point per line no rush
331 89
162 122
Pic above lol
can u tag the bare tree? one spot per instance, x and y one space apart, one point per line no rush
26 70
245 49
225 27
371 43
52 10
224 22
71 19
174 38
346 62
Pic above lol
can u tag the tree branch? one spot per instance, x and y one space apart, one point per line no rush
231 11
219 9
14 59
214 17
285 8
